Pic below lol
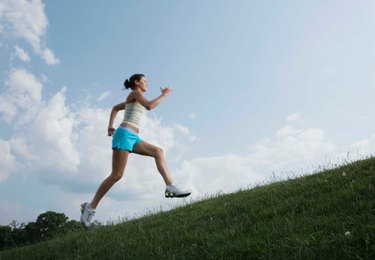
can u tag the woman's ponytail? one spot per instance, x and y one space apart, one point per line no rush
127 84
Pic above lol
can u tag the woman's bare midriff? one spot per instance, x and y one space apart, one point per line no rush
135 129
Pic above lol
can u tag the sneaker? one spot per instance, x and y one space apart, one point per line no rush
172 191
87 214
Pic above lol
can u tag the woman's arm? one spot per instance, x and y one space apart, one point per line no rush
138 95
112 117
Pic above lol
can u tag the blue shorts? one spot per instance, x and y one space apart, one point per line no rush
125 139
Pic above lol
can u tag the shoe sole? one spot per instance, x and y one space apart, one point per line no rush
173 195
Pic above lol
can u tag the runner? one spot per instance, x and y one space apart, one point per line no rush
126 140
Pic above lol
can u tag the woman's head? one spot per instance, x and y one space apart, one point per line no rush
136 80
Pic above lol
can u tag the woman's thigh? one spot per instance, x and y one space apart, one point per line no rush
144 148
119 159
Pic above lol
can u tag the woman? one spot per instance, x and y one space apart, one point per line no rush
126 140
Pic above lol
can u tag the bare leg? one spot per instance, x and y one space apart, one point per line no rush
119 159
147 149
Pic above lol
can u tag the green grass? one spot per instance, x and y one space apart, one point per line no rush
303 218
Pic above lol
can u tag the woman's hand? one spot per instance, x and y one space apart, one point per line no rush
166 91
111 131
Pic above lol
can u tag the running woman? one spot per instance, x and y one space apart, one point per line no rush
126 140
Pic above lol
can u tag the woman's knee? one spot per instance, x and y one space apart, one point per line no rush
116 176
159 152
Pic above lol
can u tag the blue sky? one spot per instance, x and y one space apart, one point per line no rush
261 89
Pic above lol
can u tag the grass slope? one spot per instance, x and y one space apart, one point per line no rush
328 215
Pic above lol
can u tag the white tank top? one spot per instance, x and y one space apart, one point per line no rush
134 114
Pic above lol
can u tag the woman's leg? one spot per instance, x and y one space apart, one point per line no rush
144 148
119 159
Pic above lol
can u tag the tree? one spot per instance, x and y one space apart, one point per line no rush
48 225
5 237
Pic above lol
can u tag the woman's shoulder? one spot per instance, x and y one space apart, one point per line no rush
131 97
135 95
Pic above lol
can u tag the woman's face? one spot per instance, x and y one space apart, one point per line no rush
142 84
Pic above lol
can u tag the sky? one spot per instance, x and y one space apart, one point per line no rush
262 91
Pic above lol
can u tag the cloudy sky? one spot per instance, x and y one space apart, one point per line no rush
263 90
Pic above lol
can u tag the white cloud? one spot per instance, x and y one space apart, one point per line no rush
291 146
7 109
21 149
7 160
154 132
52 138
49 57
104 95
93 144
23 93
185 131
293 117
49 137
364 147
22 54
22 82
27 20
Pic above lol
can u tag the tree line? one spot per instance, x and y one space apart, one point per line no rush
48 225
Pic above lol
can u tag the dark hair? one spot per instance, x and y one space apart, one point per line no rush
130 83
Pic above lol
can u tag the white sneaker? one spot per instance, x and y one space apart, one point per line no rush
87 214
172 191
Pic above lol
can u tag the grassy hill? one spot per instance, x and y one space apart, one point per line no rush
328 215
